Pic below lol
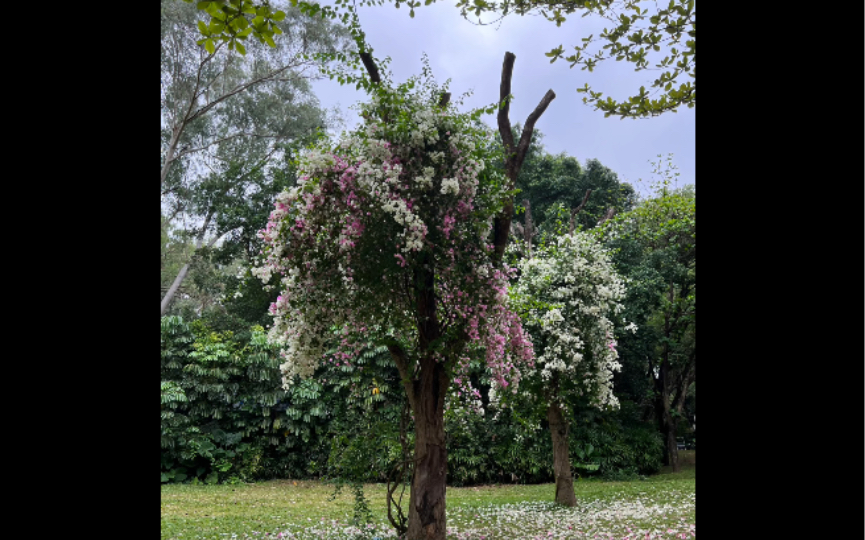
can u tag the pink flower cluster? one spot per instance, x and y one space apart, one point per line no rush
365 220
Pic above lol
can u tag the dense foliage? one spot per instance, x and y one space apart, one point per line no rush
345 424
229 125
655 246
554 185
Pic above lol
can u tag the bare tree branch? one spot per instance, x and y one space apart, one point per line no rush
505 104
609 215
239 88
526 137
226 138
513 156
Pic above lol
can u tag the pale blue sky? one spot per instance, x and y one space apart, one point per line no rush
472 57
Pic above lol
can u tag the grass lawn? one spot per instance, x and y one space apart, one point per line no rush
662 506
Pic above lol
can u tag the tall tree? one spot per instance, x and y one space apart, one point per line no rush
655 246
397 234
226 116
568 295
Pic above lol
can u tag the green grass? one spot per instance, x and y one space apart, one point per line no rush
661 506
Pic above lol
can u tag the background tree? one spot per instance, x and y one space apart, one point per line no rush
225 117
655 246
554 184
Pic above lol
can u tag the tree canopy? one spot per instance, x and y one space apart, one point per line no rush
228 124
655 246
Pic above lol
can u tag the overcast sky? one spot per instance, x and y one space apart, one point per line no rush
472 57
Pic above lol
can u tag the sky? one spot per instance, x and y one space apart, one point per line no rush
471 56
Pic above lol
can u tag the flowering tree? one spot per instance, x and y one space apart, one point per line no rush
568 294
391 235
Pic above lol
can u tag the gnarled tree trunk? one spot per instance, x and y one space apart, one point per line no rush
426 516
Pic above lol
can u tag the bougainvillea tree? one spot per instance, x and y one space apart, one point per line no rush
390 235
569 295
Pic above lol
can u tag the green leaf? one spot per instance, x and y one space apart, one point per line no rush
240 48
203 28
208 46
278 16
203 5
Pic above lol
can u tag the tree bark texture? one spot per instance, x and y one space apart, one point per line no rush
561 459
426 517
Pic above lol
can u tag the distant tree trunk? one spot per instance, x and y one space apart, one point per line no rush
663 411
561 459
172 290
667 425
181 275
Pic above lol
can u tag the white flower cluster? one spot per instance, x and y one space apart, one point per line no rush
425 181
573 333
450 186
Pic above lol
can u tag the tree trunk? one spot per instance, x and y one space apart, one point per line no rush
169 295
672 449
561 458
169 156
426 517
669 423
666 422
